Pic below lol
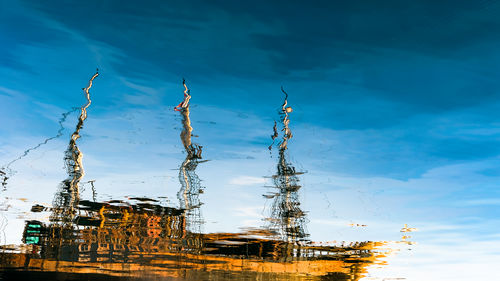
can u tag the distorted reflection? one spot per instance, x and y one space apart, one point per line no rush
405 237
4 177
287 218
145 238
190 183
6 171
67 197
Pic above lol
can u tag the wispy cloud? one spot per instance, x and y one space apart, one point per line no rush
246 180
10 92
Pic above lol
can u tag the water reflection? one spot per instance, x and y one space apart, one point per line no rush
286 217
6 171
68 196
190 183
143 237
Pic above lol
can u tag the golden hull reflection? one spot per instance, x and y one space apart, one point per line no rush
148 240
198 268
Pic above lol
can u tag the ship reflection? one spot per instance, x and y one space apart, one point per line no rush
141 238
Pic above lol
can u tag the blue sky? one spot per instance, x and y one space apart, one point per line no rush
395 104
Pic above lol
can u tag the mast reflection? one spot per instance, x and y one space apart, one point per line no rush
191 188
287 219
67 197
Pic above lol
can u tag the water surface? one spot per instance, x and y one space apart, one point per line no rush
249 142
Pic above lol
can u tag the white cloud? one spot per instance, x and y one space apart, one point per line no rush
246 180
249 212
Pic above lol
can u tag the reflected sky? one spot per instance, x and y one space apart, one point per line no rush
394 116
